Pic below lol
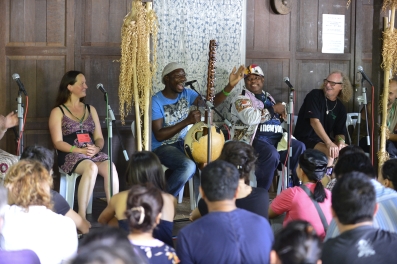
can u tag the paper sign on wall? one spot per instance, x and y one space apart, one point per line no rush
333 33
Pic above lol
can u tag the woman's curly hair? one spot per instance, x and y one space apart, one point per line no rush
347 90
29 183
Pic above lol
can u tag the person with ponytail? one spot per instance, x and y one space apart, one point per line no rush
256 200
310 202
144 205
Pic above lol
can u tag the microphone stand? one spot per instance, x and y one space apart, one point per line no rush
21 122
363 100
290 109
209 107
109 121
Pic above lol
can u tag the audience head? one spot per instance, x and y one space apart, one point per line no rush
29 183
107 235
70 78
354 162
219 181
107 245
145 166
313 164
241 155
144 204
297 243
353 198
388 177
3 203
40 154
350 149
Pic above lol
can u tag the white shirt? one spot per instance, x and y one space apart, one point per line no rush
51 236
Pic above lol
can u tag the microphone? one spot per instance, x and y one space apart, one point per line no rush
16 78
190 82
286 80
100 88
360 70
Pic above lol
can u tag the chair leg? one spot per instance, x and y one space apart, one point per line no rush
180 195
191 192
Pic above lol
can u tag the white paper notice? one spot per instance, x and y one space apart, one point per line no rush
333 33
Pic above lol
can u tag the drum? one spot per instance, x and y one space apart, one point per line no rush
196 143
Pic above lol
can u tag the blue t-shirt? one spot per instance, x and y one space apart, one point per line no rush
173 111
238 236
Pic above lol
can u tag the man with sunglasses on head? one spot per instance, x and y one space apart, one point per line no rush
257 120
171 116
322 117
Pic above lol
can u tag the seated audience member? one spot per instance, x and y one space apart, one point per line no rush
29 223
226 234
143 212
322 117
23 256
255 200
107 245
143 167
353 208
257 119
386 198
388 177
7 159
61 206
297 243
300 203
330 180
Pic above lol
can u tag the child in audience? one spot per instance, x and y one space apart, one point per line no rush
143 167
300 203
388 177
143 212
256 200
29 223
297 243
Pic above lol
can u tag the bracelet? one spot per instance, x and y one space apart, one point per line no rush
71 149
341 139
225 93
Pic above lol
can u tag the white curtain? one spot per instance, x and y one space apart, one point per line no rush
185 30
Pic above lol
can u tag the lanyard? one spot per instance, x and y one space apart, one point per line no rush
80 120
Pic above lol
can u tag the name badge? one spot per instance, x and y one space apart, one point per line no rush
83 137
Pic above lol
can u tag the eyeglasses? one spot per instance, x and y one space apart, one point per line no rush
331 83
253 78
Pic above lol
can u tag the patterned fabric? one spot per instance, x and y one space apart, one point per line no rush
6 161
386 216
172 111
157 252
191 24
69 161
247 112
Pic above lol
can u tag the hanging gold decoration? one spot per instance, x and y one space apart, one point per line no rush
138 64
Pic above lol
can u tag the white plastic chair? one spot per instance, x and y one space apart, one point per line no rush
67 186
351 120
191 192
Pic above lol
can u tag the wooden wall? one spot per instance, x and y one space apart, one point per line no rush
41 40
290 45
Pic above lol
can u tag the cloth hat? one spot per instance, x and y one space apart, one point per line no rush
253 69
172 66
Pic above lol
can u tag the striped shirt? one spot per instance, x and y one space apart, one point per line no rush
385 218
